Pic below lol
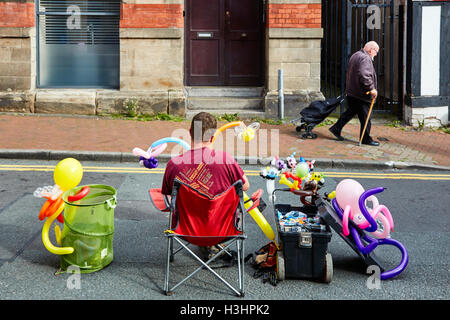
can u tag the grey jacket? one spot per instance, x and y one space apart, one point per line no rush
361 76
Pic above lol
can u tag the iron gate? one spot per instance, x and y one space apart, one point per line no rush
348 25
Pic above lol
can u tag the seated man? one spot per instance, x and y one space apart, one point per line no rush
209 171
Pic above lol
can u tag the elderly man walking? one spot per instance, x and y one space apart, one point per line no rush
361 78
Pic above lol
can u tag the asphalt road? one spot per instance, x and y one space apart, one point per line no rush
418 201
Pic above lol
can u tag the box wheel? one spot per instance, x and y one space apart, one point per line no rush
328 272
280 266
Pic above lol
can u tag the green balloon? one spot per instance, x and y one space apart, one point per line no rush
302 169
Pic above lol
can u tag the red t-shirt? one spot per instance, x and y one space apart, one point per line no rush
209 171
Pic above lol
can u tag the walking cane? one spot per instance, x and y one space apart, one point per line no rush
367 120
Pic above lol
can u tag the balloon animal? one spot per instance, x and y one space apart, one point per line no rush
148 158
351 196
67 175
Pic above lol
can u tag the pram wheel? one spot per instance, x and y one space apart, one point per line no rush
301 127
280 266
328 272
309 135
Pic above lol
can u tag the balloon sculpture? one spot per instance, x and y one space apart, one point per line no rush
348 196
148 158
351 196
67 175
298 176
243 132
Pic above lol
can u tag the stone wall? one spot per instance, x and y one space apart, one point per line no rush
151 54
17 60
151 59
293 44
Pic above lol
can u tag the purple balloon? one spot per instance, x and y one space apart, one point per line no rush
373 243
150 163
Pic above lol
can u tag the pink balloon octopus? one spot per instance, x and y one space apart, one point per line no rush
348 192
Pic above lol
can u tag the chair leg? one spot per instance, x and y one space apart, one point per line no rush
204 265
169 257
171 250
240 258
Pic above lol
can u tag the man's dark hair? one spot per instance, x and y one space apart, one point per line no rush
208 124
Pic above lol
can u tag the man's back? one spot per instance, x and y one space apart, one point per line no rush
209 171
361 76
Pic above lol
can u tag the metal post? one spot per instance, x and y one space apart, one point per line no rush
36 9
280 94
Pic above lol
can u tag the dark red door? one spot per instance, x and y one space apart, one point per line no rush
224 42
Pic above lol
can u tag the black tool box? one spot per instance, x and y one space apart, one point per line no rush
303 249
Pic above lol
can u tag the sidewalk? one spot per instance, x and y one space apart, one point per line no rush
95 138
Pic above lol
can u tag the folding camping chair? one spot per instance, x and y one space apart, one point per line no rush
199 220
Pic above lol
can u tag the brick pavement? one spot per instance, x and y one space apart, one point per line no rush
45 132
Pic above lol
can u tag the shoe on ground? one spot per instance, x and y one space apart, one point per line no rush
208 252
372 143
337 135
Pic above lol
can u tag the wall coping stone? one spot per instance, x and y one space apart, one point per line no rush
151 33
295 33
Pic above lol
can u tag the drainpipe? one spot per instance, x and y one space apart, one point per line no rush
280 94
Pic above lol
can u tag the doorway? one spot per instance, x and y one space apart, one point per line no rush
224 42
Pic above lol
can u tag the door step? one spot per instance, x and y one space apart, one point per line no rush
225 104
247 102
242 114
241 92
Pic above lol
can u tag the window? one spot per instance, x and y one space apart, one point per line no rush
78 43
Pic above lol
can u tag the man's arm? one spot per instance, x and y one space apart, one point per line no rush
168 179
246 183
366 76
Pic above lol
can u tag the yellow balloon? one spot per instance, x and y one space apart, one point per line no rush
248 135
45 238
68 173
259 219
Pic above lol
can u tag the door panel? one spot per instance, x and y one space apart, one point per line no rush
224 42
204 60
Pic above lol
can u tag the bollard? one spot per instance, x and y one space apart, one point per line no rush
280 94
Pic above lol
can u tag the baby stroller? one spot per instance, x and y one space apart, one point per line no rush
314 114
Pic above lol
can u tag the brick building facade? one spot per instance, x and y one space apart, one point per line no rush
152 60
173 57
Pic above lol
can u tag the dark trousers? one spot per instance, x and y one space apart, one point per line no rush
355 107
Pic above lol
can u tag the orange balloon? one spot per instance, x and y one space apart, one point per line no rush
42 213
54 207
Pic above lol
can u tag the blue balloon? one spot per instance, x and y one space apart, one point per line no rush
183 143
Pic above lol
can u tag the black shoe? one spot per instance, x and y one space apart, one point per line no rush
337 135
372 143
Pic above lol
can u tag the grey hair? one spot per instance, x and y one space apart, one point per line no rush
371 45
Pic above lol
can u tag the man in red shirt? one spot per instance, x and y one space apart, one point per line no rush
207 170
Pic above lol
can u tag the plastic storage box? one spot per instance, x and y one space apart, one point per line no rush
303 252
